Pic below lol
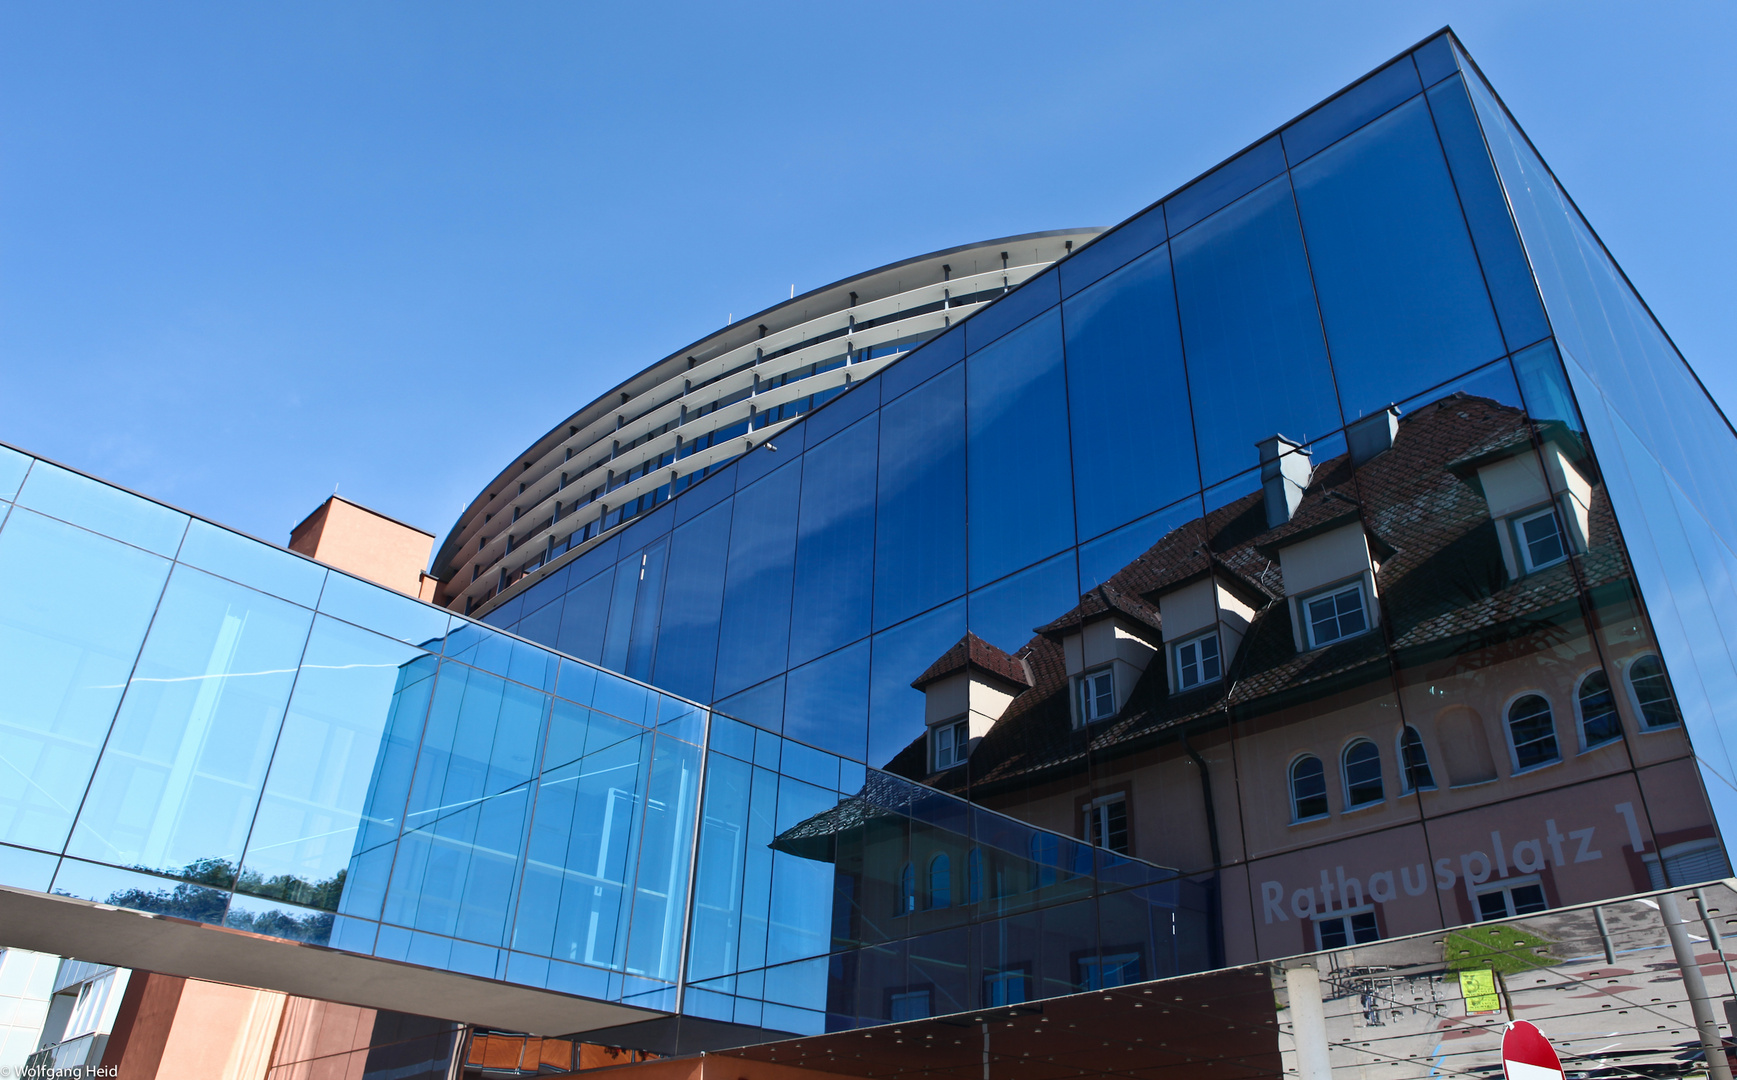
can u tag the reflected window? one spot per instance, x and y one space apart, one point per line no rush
1335 615
1107 823
974 876
1652 694
1097 695
1045 853
1338 931
1115 969
1004 987
1532 730
911 1005
1597 703
1541 541
907 890
1509 900
1308 788
1362 763
1197 661
1414 761
951 741
940 882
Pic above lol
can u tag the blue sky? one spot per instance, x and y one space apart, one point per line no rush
248 252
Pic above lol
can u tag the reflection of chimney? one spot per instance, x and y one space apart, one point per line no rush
1372 434
1284 475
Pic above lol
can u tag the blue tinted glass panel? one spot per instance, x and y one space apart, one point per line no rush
835 538
648 528
660 890
252 563
1224 185
618 630
1124 361
647 602
1250 332
1021 504
182 769
1014 309
1112 250
1352 109
584 617
197 901
863 399
826 702
687 647
917 367
1107 556
344 755
1006 613
507 613
23 869
67 644
754 634
97 506
899 656
13 466
542 625
383 611
1510 279
1401 294
761 705
1545 387
1435 60
920 524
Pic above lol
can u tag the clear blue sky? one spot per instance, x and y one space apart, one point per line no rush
250 251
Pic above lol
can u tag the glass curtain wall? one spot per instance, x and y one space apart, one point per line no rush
1262 538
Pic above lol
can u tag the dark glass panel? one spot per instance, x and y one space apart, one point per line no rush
1224 185
585 616
754 633
835 536
918 366
1351 109
1510 279
183 765
1020 487
920 521
687 648
1014 309
1114 249
648 527
67 644
646 602
900 655
863 399
542 625
716 489
1401 294
826 702
1124 366
1250 332
1435 60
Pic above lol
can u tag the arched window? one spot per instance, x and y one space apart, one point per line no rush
940 882
1532 730
1308 788
974 876
1362 763
1414 762
907 889
1598 719
1652 695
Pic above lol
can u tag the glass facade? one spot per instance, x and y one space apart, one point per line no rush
1341 527
1336 551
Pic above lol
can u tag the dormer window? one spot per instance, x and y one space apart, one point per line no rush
1541 540
1097 694
1197 661
1335 614
951 742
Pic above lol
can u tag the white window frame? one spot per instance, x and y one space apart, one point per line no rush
1344 916
1097 819
1504 885
1354 585
1640 716
1518 523
1086 694
1177 665
1580 714
1291 789
1508 733
1345 773
960 729
1405 785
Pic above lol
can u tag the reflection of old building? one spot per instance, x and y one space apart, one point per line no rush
1347 687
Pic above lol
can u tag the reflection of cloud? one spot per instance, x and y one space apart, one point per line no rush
243 674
